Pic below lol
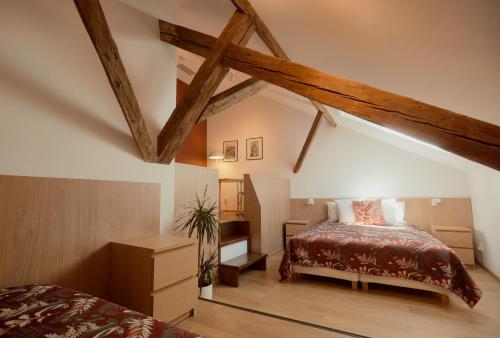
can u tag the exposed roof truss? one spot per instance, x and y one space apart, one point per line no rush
465 136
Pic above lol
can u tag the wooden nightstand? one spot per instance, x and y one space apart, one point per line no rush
292 227
460 239
156 276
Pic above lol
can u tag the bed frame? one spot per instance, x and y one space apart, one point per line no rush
355 277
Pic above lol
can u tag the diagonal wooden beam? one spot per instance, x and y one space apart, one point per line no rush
307 144
232 96
465 136
95 22
211 73
273 45
261 28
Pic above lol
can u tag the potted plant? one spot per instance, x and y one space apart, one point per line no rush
201 219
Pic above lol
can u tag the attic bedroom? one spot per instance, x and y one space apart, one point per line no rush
222 168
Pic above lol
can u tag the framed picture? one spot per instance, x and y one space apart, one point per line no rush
255 148
230 151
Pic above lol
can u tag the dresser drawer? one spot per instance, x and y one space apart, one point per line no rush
175 301
174 265
466 255
294 229
455 239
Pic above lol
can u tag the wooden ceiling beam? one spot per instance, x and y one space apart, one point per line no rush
95 22
232 96
463 135
307 144
275 48
239 29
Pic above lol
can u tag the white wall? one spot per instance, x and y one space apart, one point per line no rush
485 193
341 162
59 116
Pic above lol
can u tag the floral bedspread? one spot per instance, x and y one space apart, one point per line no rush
52 311
403 252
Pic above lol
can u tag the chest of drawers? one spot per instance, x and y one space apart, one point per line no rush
460 239
155 276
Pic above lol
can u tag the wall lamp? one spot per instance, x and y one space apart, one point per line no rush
216 156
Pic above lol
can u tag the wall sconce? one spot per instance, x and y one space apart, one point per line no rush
435 202
216 156
310 201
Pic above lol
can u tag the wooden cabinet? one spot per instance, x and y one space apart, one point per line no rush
292 228
458 238
155 276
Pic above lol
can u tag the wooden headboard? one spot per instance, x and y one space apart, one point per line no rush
56 231
418 211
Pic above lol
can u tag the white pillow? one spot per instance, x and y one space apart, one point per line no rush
400 212
333 215
346 214
389 210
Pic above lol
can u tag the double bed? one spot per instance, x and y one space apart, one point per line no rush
51 311
396 255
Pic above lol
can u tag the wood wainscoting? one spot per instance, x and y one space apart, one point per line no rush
418 211
267 207
56 231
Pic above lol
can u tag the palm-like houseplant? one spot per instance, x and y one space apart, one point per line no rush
201 219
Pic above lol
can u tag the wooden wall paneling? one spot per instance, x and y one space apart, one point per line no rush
56 231
269 197
191 180
194 149
471 138
94 20
300 210
253 214
419 211
451 211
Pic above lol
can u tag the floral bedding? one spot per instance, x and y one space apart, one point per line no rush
402 252
52 311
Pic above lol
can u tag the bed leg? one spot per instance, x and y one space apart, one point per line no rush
354 285
295 276
365 286
445 299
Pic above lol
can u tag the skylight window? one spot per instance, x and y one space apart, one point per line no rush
387 130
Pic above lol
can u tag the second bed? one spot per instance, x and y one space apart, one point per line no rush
394 255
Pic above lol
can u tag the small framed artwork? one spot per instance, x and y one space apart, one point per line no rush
230 151
255 148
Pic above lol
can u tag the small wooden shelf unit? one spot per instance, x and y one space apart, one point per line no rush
234 231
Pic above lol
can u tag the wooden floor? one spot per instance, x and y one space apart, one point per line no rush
383 311
218 321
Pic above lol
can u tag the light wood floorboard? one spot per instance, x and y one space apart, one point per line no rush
383 311
218 321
